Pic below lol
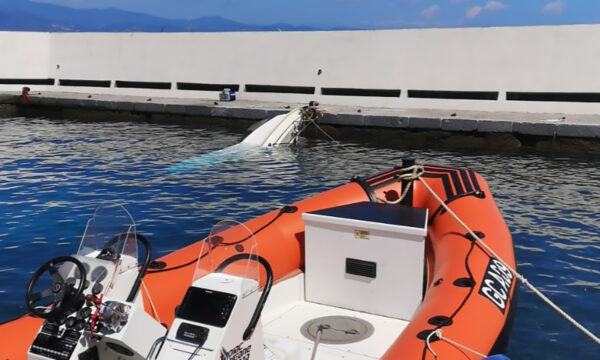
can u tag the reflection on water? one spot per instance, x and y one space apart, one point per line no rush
53 174
203 161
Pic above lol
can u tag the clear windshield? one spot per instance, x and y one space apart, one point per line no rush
109 234
229 249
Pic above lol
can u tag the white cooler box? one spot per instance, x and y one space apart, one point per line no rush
366 257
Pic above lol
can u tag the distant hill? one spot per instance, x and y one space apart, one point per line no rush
18 15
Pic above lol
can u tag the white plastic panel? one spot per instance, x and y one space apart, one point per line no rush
395 245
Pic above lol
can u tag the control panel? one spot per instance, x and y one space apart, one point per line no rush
55 343
91 314
212 318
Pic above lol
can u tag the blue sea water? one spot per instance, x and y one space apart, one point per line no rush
54 173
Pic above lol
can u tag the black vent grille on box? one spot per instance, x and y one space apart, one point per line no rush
361 268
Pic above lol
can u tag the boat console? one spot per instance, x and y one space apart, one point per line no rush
219 316
95 313
90 300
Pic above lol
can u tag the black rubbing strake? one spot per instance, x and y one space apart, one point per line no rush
441 210
284 210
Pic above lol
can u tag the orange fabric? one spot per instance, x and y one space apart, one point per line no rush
17 336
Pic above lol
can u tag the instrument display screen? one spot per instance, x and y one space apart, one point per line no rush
207 306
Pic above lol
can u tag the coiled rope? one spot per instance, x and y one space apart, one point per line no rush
410 173
414 173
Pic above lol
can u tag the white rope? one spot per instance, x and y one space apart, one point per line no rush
429 345
438 333
513 271
318 340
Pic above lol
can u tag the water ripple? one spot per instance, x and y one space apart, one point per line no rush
53 174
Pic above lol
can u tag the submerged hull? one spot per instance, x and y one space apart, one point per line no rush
467 293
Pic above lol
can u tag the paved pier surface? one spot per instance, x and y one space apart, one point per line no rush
545 125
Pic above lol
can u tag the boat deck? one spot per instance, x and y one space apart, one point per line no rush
286 312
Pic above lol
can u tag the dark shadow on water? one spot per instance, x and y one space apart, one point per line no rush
463 142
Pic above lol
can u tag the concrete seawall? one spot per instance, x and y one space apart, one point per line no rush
545 125
545 69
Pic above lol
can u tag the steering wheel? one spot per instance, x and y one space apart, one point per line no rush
60 293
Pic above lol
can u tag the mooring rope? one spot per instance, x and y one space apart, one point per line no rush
310 115
416 175
412 173
438 333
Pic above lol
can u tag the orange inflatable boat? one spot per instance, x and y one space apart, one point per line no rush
376 268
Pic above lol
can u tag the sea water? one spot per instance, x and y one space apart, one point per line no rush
54 173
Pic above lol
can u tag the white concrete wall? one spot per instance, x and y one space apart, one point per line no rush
537 59
23 55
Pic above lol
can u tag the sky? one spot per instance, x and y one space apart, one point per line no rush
365 14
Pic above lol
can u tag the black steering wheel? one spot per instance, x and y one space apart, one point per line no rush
60 294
